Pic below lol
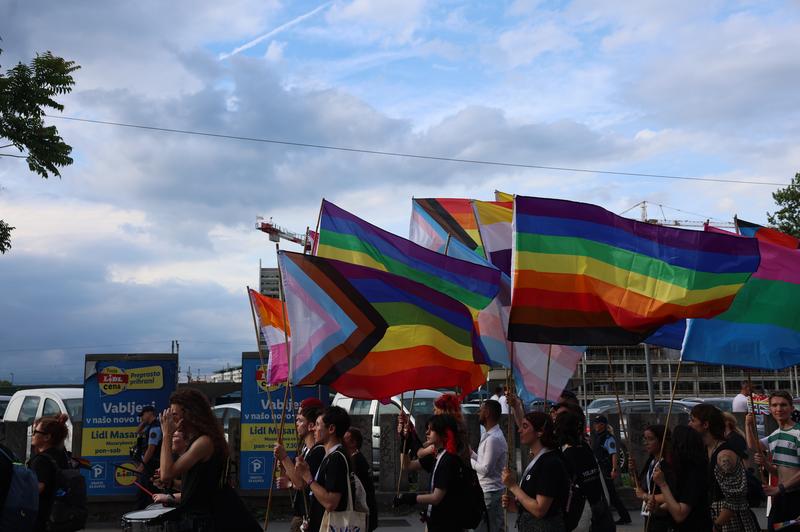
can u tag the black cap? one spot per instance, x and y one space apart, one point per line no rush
600 419
147 408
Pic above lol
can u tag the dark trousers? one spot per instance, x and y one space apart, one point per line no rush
785 508
615 502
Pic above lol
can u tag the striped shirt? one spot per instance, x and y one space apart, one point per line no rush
785 446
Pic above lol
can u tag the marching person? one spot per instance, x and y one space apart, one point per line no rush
726 482
47 441
604 446
541 496
656 520
489 462
329 485
148 452
741 402
442 501
313 453
201 467
353 440
784 449
500 397
588 508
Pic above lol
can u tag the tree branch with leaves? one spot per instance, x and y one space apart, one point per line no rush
787 218
26 92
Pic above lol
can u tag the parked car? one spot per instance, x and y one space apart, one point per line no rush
4 399
225 413
723 403
29 405
422 404
600 403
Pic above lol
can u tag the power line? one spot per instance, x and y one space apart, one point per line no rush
65 348
412 155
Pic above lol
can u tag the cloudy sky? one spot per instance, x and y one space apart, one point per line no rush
150 236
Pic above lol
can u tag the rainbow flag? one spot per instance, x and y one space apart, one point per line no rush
767 234
494 223
269 313
344 236
433 219
761 329
530 369
371 334
585 276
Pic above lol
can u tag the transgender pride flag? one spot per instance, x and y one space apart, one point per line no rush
271 324
530 369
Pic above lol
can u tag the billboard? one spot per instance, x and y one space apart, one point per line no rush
115 389
261 418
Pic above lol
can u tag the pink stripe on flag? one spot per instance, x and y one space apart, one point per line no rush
530 368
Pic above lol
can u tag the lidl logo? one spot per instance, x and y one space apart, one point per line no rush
113 380
261 380
124 475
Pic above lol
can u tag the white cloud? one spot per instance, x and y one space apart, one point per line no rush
275 51
525 43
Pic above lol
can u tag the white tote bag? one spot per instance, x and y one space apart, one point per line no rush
348 520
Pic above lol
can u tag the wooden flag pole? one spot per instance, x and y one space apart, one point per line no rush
666 423
285 391
511 443
260 352
762 470
631 464
405 440
547 377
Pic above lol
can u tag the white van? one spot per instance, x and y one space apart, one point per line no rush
29 405
423 404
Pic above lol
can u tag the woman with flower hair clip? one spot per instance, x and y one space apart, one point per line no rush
442 502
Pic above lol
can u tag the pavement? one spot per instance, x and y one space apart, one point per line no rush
389 524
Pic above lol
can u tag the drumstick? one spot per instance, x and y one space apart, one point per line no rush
779 526
120 466
150 493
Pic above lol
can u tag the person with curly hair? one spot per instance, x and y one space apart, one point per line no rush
201 467
47 440
540 498
442 500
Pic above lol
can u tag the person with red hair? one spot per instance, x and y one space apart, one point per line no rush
442 500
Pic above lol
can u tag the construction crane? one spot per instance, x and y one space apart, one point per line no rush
276 232
676 223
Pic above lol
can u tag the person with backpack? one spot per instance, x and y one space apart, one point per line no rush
62 490
19 493
329 486
587 509
604 446
446 502
540 498
353 441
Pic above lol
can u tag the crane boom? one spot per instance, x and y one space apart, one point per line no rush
276 232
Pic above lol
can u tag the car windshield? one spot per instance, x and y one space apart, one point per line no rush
74 409
600 403
422 405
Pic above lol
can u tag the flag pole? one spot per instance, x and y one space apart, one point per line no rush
547 377
305 242
751 427
631 465
260 352
512 451
286 387
405 440
666 424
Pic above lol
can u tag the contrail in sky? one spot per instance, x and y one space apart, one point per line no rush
276 31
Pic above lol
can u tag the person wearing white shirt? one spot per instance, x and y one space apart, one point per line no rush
500 397
740 402
488 463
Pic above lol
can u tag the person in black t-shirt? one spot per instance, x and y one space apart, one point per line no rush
47 440
541 497
587 508
329 485
658 520
353 440
313 453
687 500
444 435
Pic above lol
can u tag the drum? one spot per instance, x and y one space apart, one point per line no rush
154 518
